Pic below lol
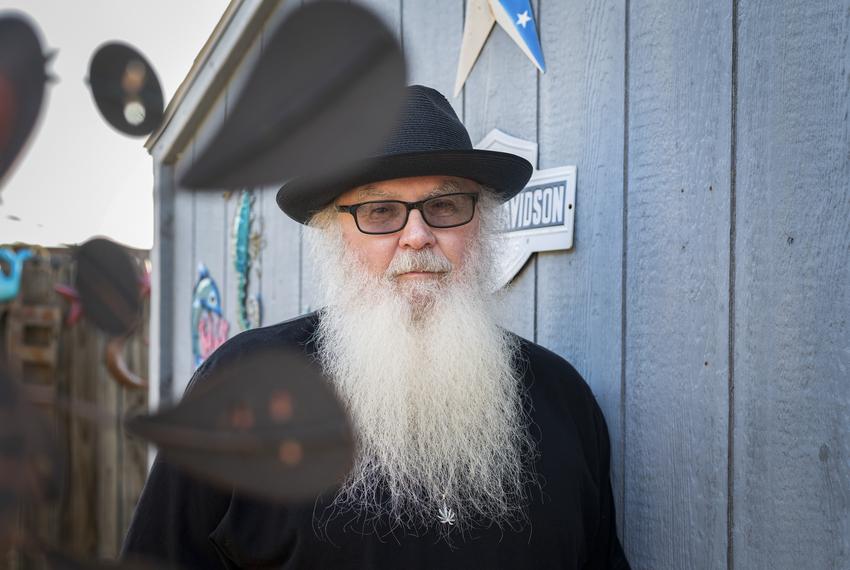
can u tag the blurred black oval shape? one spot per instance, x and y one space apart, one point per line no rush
126 89
22 79
326 91
266 423
108 284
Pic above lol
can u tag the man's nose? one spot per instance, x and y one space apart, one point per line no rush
416 234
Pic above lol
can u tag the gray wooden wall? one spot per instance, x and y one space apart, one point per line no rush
707 298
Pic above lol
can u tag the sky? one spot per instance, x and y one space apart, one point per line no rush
77 176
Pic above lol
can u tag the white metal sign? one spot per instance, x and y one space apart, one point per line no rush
542 216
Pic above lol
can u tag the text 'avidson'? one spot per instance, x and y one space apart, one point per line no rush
537 207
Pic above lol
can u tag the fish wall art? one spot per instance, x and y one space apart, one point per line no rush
209 327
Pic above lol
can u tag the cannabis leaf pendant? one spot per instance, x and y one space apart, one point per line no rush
446 516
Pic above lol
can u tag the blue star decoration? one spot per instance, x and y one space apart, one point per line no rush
514 16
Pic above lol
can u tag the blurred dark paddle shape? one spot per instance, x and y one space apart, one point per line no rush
267 424
325 91
22 79
125 89
108 284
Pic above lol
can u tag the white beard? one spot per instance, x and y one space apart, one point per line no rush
432 386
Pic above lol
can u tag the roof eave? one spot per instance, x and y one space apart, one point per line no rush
232 37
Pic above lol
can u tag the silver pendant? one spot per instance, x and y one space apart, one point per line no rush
446 516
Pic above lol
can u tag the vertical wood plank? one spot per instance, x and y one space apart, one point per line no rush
432 38
308 297
792 287
579 304
134 450
184 275
162 301
107 467
209 246
677 322
82 446
233 198
162 271
228 282
280 257
304 266
279 260
211 232
501 92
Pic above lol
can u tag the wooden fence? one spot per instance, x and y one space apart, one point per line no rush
105 469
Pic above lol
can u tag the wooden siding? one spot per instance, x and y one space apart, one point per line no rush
706 299
791 499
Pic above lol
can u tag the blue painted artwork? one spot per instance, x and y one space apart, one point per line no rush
10 283
519 13
514 16
209 328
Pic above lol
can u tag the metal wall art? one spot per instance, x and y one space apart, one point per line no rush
514 16
209 327
541 217
10 283
246 241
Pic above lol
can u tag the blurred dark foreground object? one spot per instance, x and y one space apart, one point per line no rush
268 424
31 462
31 472
56 559
22 79
126 89
325 91
108 285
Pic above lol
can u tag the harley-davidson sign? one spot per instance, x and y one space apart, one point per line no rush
539 206
541 217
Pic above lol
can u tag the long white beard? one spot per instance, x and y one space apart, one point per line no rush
432 385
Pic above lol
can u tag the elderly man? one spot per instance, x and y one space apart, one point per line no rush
476 448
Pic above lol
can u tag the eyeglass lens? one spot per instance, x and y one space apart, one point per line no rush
438 212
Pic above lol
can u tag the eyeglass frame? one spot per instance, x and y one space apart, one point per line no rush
352 209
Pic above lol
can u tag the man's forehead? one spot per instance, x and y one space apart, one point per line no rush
391 188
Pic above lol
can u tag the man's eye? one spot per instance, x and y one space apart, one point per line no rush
443 206
380 211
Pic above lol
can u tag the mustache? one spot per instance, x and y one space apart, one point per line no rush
425 260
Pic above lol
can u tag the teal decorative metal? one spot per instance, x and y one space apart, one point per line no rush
246 245
10 284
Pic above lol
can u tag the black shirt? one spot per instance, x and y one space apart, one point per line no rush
185 522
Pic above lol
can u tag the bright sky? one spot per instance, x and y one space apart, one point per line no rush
78 177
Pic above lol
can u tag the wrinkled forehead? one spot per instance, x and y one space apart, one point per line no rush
391 189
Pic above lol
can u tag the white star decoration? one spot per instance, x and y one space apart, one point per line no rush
523 19
446 516
481 16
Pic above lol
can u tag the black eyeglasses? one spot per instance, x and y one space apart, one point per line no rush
389 216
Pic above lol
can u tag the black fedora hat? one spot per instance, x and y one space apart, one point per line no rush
429 140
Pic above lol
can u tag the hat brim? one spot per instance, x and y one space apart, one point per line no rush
506 174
